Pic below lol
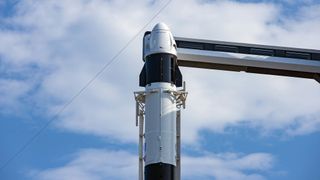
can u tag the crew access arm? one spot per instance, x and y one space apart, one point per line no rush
252 58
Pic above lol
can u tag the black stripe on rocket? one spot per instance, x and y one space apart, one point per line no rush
161 67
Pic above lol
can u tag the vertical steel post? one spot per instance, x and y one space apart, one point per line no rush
178 169
141 124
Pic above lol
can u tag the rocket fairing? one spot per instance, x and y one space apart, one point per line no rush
160 76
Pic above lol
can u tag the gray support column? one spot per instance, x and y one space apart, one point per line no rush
141 124
178 158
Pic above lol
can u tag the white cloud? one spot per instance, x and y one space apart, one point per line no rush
268 103
71 40
10 92
95 164
227 166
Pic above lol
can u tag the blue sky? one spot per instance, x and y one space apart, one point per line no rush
235 126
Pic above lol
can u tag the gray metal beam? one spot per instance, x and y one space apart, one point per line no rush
243 48
261 59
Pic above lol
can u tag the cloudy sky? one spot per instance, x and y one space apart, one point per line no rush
236 125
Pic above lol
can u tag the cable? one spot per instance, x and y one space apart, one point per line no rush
105 66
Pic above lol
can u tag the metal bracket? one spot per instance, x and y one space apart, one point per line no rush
181 96
140 100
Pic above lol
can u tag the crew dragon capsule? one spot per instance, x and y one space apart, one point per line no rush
160 76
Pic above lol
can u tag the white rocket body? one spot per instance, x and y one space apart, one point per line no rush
160 76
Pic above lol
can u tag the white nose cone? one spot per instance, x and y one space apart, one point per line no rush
161 26
160 41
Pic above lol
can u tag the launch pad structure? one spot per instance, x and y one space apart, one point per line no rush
158 108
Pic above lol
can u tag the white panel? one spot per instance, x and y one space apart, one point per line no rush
160 121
